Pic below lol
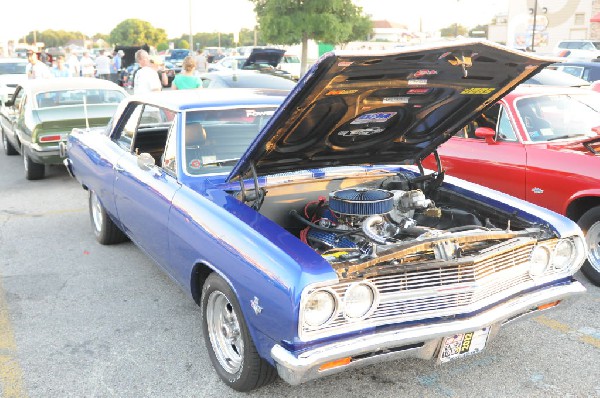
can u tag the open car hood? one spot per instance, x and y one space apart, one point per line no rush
386 107
270 56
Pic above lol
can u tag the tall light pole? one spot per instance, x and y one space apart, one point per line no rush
533 28
191 35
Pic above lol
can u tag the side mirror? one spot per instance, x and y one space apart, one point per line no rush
9 103
486 133
145 161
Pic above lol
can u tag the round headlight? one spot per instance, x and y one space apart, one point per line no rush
540 258
319 308
358 300
563 254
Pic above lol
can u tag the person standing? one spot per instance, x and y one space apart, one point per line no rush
36 69
87 65
200 62
61 69
186 79
145 79
73 64
103 66
115 66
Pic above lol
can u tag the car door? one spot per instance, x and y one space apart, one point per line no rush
499 164
143 195
10 116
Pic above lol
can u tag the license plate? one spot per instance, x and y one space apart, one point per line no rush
461 345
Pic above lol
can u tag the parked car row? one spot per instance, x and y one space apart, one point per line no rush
41 114
304 223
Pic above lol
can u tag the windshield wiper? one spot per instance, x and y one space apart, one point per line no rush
224 162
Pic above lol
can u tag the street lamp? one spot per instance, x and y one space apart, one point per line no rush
191 35
533 28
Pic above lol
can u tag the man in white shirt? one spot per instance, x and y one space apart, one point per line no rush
146 78
103 66
36 69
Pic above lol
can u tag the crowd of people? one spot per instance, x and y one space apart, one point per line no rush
150 76
104 67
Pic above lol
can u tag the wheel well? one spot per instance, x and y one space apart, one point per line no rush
580 206
200 272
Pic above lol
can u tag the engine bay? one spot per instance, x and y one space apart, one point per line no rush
397 219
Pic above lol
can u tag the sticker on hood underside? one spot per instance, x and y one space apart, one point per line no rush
361 132
478 91
341 92
377 117
395 100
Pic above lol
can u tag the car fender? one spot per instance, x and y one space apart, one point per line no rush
570 205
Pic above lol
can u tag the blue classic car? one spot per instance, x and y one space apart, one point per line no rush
304 225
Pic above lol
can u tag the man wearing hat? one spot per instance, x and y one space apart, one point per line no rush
36 69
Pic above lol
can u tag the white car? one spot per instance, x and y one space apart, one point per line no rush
578 49
12 73
291 63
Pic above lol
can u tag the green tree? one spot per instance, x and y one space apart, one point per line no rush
297 21
454 30
132 32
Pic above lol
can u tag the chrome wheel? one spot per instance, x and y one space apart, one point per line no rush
96 209
592 238
224 332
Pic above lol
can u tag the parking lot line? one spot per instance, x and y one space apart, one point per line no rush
11 376
582 335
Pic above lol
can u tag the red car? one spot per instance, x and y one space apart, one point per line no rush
541 144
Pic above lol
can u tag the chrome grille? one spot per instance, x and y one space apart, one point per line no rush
454 287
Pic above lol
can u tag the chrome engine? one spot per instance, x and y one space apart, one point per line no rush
358 221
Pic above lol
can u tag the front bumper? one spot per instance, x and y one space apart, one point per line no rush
420 341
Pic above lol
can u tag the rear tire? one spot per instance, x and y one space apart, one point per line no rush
9 149
33 171
105 230
590 225
230 346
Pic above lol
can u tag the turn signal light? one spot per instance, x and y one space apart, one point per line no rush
335 364
50 138
548 305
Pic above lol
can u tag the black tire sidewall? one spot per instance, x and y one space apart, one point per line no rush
242 379
588 219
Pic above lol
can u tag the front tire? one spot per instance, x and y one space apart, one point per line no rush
590 225
33 171
9 149
228 341
105 230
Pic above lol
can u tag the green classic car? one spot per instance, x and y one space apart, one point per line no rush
41 114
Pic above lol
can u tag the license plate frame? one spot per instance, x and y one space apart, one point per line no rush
461 345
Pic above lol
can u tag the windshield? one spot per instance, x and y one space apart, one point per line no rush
221 135
13 68
76 97
554 117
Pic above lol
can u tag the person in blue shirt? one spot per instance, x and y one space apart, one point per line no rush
61 69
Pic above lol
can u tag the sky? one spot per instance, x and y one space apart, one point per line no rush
90 17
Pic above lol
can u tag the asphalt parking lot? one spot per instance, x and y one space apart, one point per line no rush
78 319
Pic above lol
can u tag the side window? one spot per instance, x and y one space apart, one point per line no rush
489 118
125 138
19 99
505 128
168 161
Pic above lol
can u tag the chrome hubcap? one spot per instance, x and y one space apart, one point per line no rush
96 208
224 332
593 241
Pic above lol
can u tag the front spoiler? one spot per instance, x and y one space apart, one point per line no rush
421 341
